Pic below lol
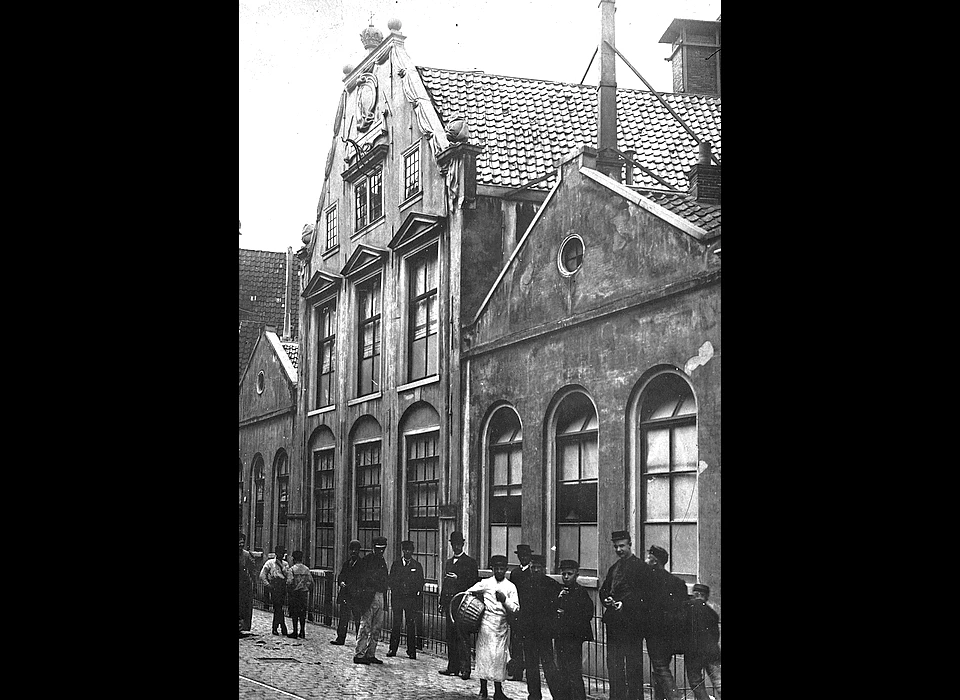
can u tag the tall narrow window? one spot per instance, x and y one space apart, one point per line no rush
368 195
324 505
576 451
668 439
411 173
333 237
326 352
282 469
367 468
423 325
423 499
241 495
506 472
368 376
258 488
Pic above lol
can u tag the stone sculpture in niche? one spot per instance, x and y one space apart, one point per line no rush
366 101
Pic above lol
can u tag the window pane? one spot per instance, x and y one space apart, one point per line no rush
685 447
500 467
589 558
569 461
516 465
656 534
376 195
432 354
688 407
658 499
665 409
498 539
589 459
683 556
658 451
577 502
568 542
685 504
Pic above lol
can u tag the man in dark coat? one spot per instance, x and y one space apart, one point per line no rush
406 599
701 647
538 612
347 581
274 575
668 594
516 664
373 589
459 573
573 628
622 596
248 576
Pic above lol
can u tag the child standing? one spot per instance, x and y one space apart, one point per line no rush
300 585
574 613
702 648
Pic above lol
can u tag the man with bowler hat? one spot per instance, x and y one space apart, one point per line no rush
406 599
347 581
622 595
520 574
459 573
668 595
275 574
538 612
373 586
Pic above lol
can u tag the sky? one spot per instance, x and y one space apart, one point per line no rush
292 55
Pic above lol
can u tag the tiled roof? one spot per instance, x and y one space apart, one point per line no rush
706 216
293 352
525 125
262 289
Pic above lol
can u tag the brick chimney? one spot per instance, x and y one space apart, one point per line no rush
695 55
704 177
607 161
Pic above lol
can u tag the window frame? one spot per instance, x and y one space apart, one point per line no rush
430 560
430 249
321 342
258 490
364 185
355 495
406 195
332 209
489 476
376 358
281 477
331 490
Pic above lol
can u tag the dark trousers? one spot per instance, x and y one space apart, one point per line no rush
516 663
409 608
346 612
537 652
625 665
298 610
695 666
458 648
277 599
570 666
660 650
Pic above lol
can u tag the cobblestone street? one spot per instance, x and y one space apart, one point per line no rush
278 668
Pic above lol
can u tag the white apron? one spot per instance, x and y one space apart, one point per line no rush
493 637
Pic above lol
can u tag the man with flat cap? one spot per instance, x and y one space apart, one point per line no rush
662 630
275 574
347 582
701 648
459 573
538 613
373 588
516 664
406 599
573 628
622 595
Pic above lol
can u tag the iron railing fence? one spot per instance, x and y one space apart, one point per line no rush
322 609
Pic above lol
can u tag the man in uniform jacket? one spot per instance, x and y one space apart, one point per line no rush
622 594
538 595
662 630
373 590
248 575
274 574
348 581
406 598
573 628
516 664
701 648
459 573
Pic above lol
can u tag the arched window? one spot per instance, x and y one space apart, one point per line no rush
281 468
366 440
324 498
505 464
241 496
258 489
576 464
668 452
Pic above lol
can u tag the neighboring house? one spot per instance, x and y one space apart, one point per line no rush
268 296
268 454
487 296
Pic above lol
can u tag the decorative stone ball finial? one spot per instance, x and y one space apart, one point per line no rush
306 234
371 37
394 25
457 129
348 69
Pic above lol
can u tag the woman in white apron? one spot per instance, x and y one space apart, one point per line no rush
499 598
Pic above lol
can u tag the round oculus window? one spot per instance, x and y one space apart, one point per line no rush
570 257
260 382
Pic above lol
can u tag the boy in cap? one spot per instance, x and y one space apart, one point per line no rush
537 595
459 573
300 585
574 613
347 580
406 598
662 631
701 651
373 585
499 598
516 664
274 574
622 595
